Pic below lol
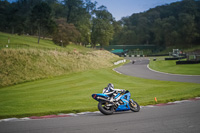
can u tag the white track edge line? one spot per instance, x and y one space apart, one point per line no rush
116 71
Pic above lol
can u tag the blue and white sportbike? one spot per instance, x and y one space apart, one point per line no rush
116 102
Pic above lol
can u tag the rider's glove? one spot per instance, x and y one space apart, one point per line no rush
123 91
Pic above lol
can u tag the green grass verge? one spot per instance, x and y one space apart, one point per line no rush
22 40
27 42
169 66
72 93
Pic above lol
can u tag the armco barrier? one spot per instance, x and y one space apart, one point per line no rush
136 55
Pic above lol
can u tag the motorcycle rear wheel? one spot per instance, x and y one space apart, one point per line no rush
105 109
134 106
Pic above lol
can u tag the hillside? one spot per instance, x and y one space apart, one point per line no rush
175 24
21 63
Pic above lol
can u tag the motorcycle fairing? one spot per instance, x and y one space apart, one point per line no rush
125 99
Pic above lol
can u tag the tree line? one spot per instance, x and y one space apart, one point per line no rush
82 22
167 25
66 21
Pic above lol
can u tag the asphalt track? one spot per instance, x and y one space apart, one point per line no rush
178 118
140 69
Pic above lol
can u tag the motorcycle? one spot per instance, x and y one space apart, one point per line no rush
119 102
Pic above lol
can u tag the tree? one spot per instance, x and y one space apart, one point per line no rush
84 30
58 10
117 27
41 17
102 28
79 13
73 8
187 28
83 23
65 33
4 12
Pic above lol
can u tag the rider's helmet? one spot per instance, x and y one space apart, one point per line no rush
111 86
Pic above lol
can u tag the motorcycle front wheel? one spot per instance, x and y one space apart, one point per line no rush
134 106
106 110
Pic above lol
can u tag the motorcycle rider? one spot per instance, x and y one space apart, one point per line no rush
110 91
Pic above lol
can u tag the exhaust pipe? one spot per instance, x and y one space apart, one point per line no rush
101 98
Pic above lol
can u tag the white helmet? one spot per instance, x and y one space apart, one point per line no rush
111 86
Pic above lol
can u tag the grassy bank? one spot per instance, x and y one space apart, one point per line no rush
22 65
72 93
23 59
169 66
